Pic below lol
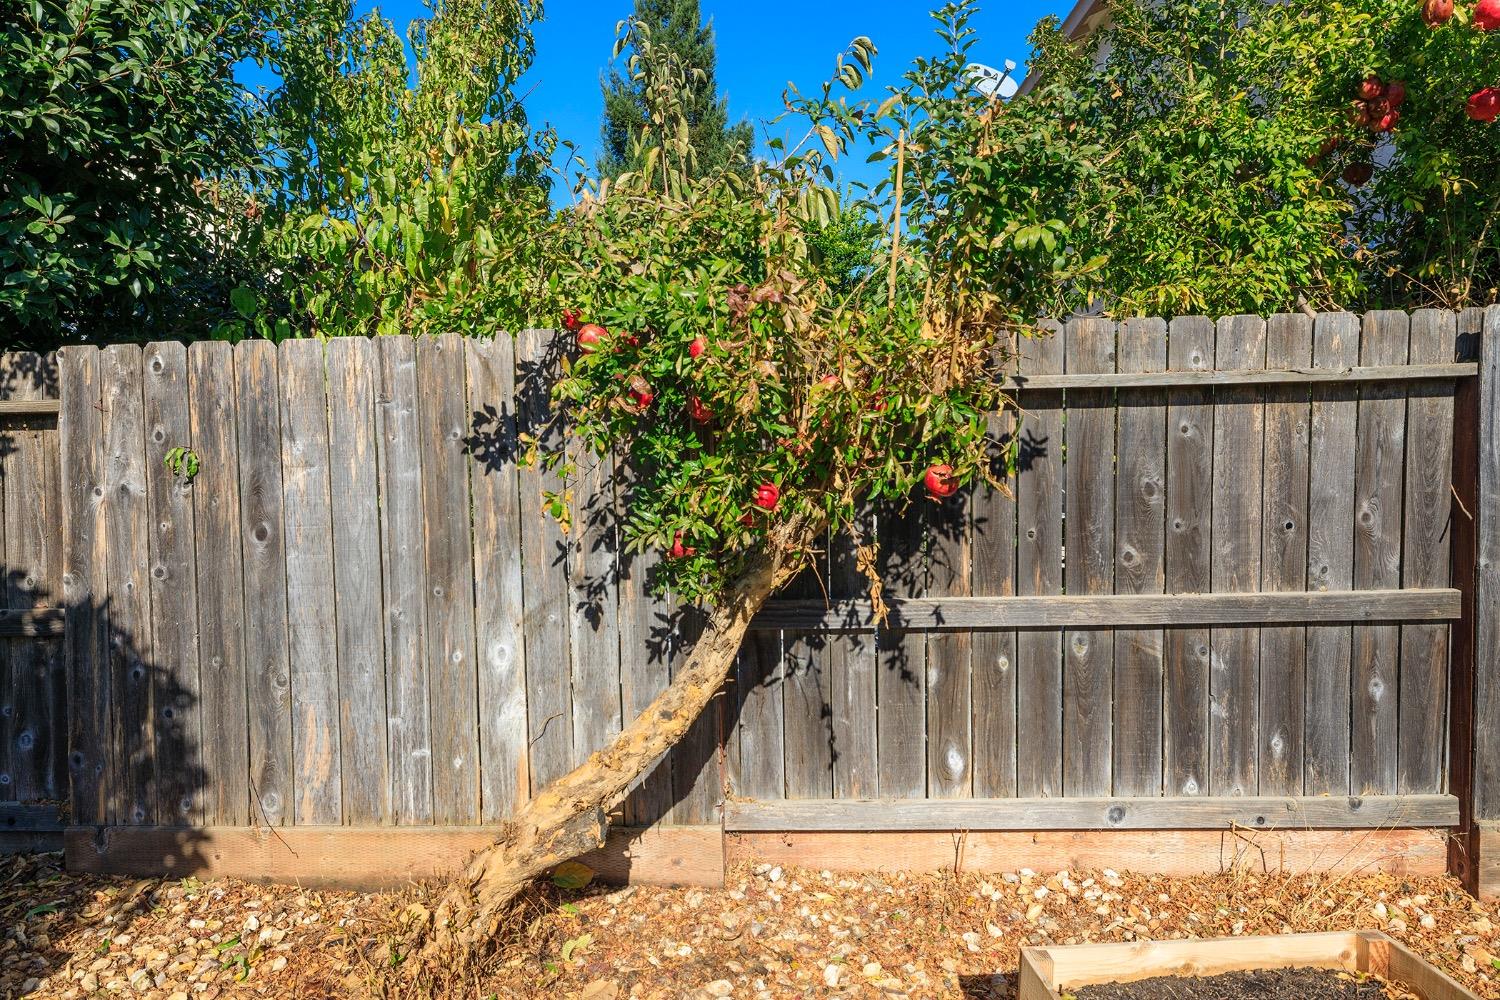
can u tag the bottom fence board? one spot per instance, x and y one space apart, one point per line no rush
1489 860
1178 813
1047 973
1165 852
372 858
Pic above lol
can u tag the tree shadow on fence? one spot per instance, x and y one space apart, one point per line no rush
116 745
921 543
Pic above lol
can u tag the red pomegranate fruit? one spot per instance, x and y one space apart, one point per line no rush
1487 15
1371 88
640 392
678 550
1395 93
1359 174
1437 12
697 411
940 482
697 347
1484 106
572 320
590 336
767 496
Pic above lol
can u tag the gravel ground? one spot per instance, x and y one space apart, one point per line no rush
769 933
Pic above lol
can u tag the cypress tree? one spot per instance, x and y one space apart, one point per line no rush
677 28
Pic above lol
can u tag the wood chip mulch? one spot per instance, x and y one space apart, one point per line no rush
769 933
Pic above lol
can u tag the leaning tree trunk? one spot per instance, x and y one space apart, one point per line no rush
568 817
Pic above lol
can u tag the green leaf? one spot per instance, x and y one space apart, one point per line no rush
572 874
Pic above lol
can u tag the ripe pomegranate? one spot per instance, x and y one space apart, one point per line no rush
1387 121
1437 12
1484 106
747 519
1371 88
698 411
697 347
940 482
829 382
590 336
678 550
1395 93
767 496
1359 174
1487 15
640 392
572 320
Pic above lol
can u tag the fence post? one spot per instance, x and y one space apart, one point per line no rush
1480 756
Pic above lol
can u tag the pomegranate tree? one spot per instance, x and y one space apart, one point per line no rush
757 403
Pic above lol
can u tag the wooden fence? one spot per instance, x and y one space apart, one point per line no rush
1224 591
33 720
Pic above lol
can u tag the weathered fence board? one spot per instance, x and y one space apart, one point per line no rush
1190 436
1039 570
1283 648
1330 556
359 640
174 592
317 756
1140 526
1180 599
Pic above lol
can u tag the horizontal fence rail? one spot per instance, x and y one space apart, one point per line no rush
1201 813
981 613
1218 592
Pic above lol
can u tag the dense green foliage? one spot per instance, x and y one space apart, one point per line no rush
402 206
683 49
1201 157
118 120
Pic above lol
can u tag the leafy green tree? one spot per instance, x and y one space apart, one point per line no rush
683 48
121 126
407 189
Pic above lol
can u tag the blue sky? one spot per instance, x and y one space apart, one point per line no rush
761 45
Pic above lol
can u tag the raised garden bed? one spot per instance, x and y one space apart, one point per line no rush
1232 968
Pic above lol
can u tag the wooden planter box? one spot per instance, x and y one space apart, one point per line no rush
1046 972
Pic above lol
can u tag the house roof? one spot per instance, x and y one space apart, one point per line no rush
1084 19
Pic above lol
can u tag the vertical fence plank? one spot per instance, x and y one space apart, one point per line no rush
403 565
901 681
1088 657
993 680
594 570
1140 554
453 684
808 692
757 759
1380 453
1039 486
263 541
1486 727
697 770
131 660
85 583
353 471
1330 555
497 576
950 741
30 554
174 590
644 658
851 659
1234 665
1190 436
312 640
544 553
1283 649
1426 529
213 407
